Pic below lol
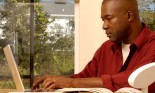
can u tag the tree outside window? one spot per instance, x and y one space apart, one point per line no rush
53 41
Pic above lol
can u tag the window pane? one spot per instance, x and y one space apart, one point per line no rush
54 52
54 44
53 36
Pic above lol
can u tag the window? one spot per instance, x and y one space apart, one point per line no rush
42 36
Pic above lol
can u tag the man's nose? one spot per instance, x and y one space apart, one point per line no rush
105 25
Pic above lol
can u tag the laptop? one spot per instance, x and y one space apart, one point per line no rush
15 73
13 68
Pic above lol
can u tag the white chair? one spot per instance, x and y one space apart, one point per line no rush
143 77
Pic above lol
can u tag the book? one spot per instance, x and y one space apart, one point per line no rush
97 90
79 90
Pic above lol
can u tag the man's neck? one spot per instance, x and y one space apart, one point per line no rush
135 30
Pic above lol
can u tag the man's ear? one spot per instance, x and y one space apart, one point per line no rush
130 15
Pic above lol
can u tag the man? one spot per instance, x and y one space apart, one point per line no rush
131 45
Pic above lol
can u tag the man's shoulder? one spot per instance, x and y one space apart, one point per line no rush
151 33
152 36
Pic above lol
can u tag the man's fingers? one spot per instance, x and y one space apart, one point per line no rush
52 86
37 81
47 82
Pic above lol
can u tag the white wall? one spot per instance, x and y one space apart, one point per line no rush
89 27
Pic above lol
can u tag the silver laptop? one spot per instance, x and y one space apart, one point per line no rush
15 73
13 67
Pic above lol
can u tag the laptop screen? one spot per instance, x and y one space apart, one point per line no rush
13 67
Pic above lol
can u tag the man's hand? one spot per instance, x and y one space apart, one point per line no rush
57 82
51 82
37 81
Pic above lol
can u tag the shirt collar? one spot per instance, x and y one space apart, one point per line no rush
143 37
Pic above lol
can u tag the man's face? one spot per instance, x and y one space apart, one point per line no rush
115 21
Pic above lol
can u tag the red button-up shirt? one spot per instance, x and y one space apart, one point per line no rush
108 61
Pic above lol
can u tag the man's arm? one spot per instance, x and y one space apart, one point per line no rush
67 82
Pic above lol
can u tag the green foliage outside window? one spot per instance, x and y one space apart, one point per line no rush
53 47
147 12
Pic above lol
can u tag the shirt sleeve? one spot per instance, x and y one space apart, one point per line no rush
115 82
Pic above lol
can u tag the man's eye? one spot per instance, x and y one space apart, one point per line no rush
108 18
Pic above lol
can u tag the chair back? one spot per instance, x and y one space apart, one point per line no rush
143 77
